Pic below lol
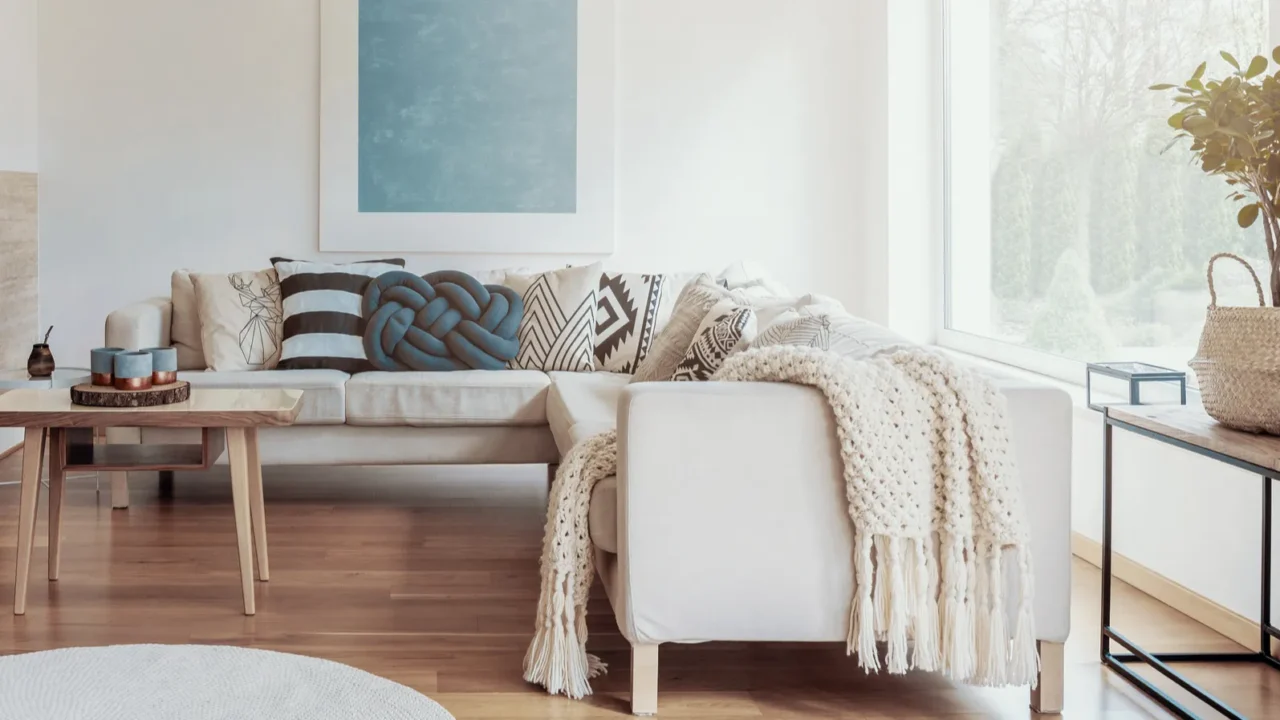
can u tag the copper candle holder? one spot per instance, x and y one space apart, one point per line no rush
102 365
132 370
141 383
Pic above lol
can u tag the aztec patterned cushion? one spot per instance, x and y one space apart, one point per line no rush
677 331
444 320
726 329
558 330
626 319
323 326
842 334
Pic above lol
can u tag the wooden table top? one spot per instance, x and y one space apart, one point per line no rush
1190 424
205 408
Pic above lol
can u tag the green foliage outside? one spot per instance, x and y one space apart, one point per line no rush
1113 227
1011 232
1056 222
1070 322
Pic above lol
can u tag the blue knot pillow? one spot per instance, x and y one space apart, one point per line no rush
444 320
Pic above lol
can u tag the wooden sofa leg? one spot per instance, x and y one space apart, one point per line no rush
1047 697
644 679
165 487
119 489
119 478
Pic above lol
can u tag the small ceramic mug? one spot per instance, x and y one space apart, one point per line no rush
102 365
133 370
164 365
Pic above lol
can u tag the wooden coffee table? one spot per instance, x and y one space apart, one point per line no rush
236 415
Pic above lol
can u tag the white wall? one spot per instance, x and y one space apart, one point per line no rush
184 133
18 85
1194 520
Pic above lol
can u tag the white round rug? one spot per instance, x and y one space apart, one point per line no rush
205 682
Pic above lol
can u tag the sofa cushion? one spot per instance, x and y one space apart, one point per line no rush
462 397
323 396
583 404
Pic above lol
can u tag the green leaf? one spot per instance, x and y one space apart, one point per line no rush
1163 86
1199 73
1256 66
1248 214
1175 121
1199 125
1275 54
1195 84
1225 56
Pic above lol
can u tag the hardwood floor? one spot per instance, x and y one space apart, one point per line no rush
429 577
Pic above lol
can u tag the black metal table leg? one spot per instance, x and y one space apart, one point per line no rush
1160 661
1264 624
1105 647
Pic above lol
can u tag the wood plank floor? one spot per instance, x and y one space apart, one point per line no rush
429 577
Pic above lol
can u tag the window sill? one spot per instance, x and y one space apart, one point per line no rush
1075 390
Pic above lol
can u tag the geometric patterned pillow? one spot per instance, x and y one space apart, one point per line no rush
626 319
844 335
558 329
728 328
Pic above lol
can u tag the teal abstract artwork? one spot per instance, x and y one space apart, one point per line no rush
468 106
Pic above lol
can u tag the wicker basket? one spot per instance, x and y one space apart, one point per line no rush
1238 361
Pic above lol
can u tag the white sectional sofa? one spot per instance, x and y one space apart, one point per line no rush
726 520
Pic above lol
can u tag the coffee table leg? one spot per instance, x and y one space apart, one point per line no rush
32 457
257 509
57 483
237 456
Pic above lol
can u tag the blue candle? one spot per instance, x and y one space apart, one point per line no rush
133 365
102 364
102 360
163 359
164 365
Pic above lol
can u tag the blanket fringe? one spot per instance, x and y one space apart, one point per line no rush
556 658
926 654
1024 660
862 615
893 567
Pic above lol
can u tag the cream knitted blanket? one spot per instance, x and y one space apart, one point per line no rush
926 453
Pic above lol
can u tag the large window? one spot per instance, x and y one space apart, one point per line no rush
1071 235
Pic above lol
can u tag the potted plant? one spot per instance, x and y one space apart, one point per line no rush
1231 125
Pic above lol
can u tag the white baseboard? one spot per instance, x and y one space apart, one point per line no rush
1224 621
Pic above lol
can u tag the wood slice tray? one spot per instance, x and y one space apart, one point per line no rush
109 397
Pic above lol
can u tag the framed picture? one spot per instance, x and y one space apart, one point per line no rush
467 126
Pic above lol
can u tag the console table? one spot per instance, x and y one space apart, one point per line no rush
49 416
1189 428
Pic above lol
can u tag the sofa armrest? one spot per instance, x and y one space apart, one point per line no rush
140 325
732 518
731 514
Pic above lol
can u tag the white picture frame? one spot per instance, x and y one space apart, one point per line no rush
588 230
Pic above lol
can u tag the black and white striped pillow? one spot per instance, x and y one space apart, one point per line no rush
322 323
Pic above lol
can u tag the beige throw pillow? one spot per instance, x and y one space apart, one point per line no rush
558 329
668 348
241 319
842 334
184 328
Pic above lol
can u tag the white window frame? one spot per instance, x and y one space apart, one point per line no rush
1036 361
